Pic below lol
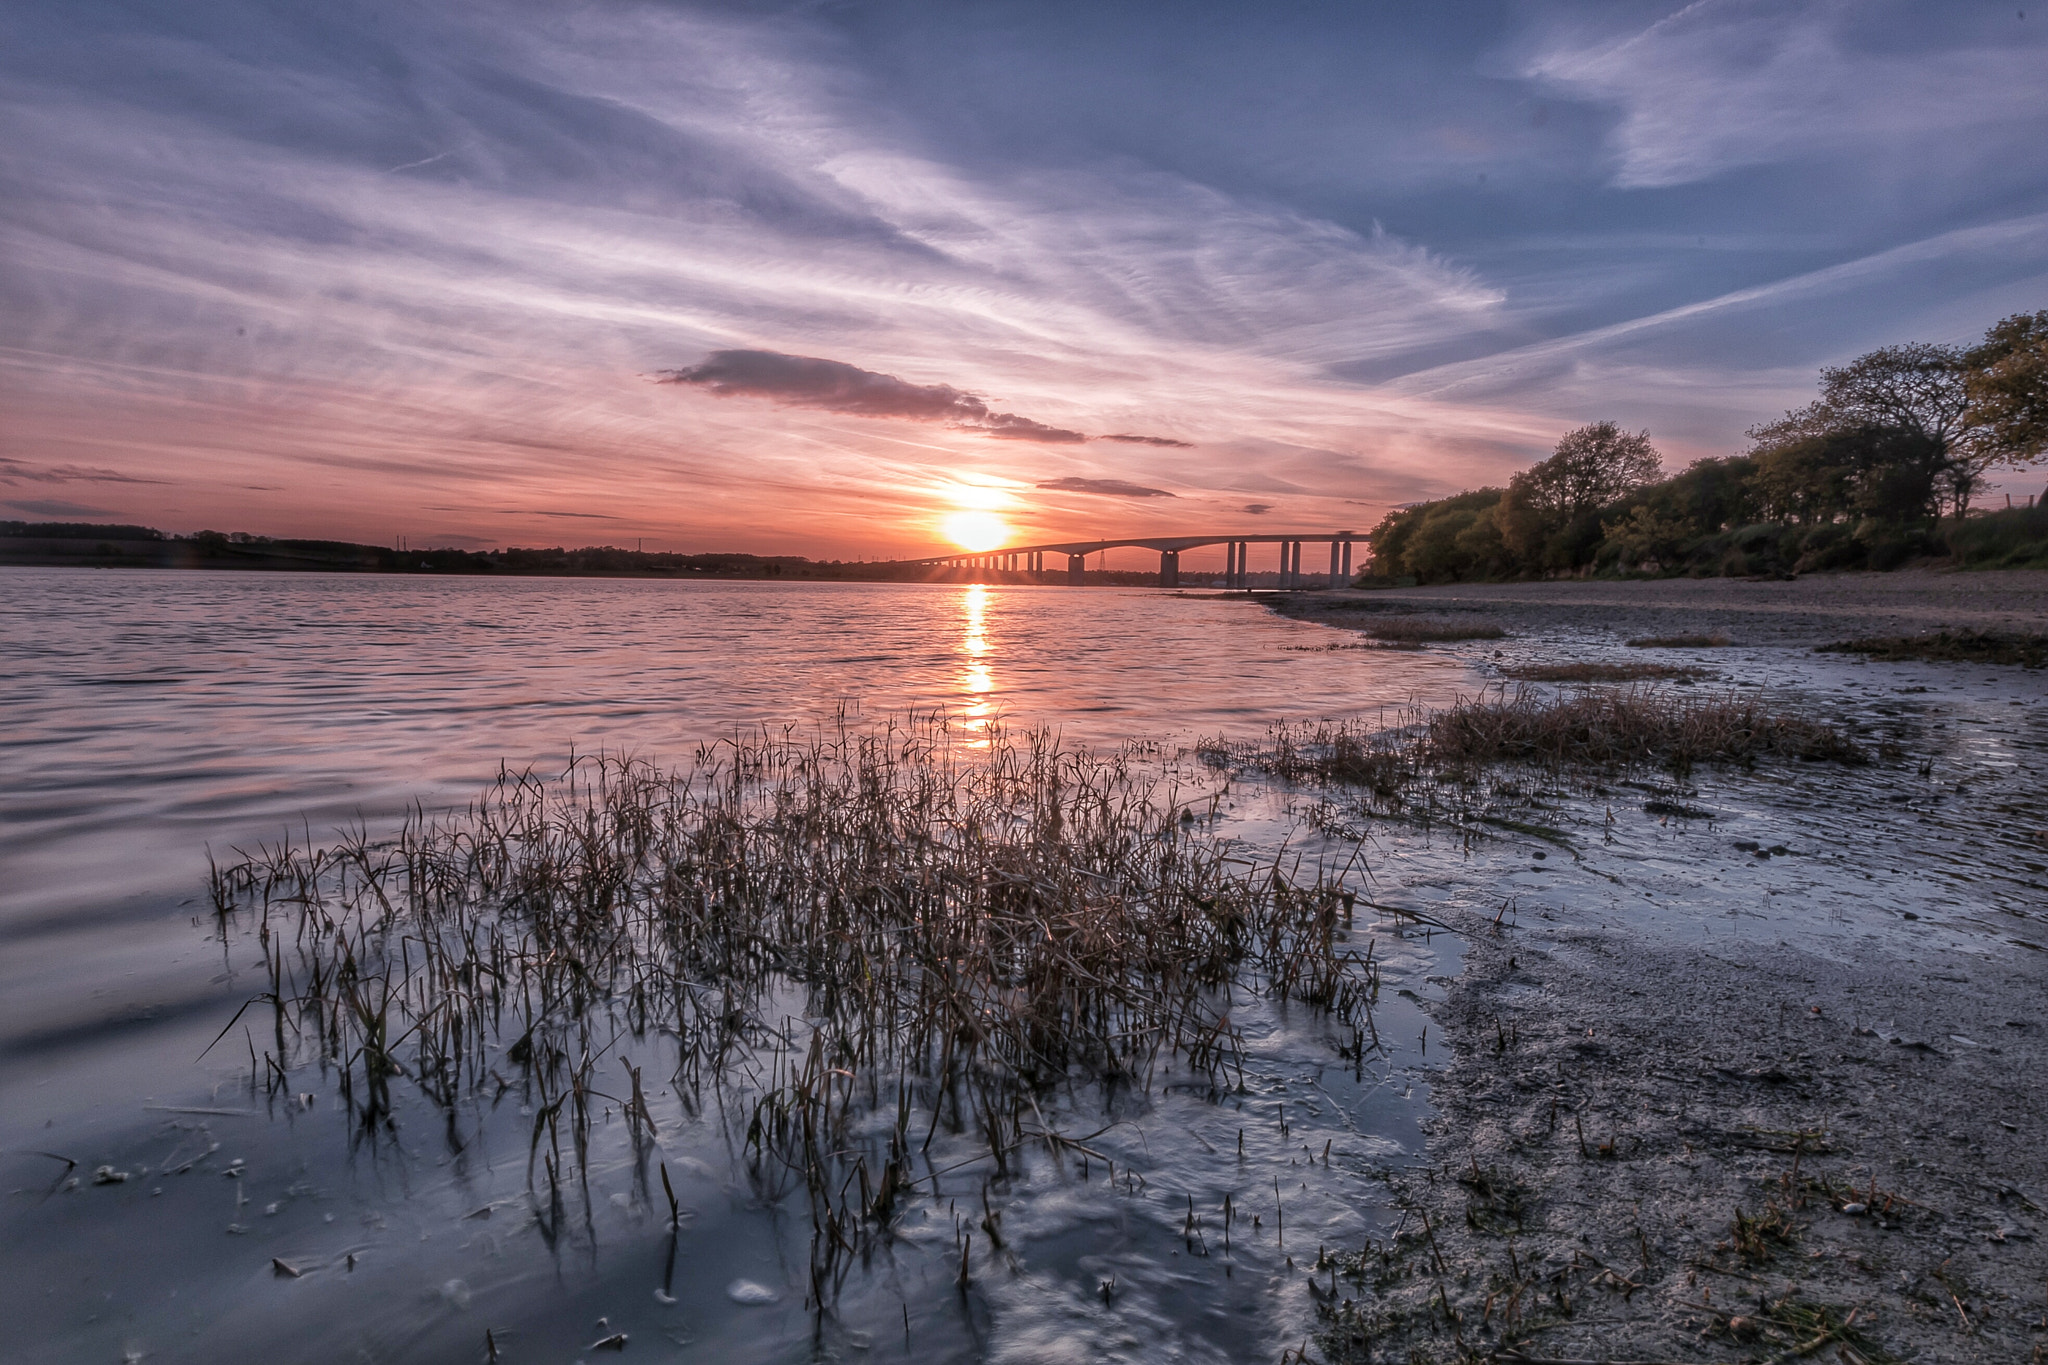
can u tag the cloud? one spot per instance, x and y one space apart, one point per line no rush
16 471
1721 84
56 507
1258 509
835 386
1112 488
536 512
1147 441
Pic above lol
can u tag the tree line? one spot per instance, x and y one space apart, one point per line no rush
1878 470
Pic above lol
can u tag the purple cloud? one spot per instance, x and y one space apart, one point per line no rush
1113 488
1130 440
56 507
835 386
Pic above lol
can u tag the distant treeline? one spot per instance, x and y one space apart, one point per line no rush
90 545
79 543
1877 472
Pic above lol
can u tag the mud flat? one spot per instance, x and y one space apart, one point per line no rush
1749 1065
1654 1153
1810 610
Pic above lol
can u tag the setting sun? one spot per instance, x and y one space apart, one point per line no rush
976 531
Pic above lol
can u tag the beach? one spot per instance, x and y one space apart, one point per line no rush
1743 1110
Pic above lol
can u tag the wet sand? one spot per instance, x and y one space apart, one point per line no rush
1844 1041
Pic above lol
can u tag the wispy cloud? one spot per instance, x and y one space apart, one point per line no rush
1163 441
1722 84
19 471
1112 488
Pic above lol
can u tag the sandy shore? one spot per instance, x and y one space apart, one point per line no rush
1819 1139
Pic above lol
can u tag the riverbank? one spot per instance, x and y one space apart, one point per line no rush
1810 610
1711 1097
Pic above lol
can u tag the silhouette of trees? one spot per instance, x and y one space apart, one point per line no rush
2006 384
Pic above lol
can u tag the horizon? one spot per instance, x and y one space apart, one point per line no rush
822 281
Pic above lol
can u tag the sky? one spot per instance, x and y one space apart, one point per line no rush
814 278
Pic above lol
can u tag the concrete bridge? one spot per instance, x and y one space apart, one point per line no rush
1236 573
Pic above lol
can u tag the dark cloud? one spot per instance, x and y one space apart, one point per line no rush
835 386
1114 488
1258 509
56 507
536 512
1147 441
17 471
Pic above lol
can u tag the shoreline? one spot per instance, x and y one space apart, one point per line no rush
1765 1144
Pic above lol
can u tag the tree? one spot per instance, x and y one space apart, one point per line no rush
1549 516
1917 389
2005 383
1593 467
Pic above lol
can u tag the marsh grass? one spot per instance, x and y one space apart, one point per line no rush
1600 673
1434 759
850 942
1945 646
1679 642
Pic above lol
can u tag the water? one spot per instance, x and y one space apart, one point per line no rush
151 717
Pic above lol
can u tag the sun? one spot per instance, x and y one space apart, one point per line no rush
976 532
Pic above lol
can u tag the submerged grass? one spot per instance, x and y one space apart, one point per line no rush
1679 642
1600 673
853 940
1945 646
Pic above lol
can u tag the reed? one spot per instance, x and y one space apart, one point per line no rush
851 940
1429 753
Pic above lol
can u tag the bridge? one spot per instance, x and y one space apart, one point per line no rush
1030 559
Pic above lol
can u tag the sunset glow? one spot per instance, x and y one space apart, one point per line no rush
976 532
809 312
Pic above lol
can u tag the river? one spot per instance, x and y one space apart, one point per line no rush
154 718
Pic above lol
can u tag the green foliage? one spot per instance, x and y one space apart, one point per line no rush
1858 479
2006 384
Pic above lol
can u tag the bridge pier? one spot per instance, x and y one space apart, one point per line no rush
1169 568
1077 570
1335 581
1347 565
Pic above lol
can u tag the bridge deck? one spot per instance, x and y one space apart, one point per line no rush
1161 543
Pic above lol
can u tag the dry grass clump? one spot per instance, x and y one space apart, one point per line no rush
1679 642
1621 729
1595 731
1944 646
853 941
1385 762
1431 629
1600 673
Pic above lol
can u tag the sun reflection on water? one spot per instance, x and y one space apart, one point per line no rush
976 681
